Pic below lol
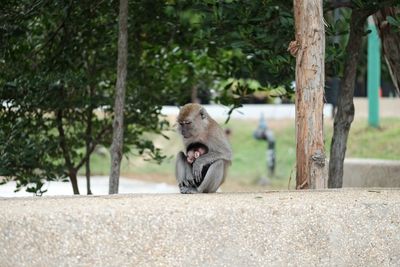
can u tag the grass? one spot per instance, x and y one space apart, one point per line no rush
382 143
249 163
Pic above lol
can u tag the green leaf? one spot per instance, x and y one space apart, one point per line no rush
393 21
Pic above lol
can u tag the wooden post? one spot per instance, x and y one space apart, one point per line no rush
309 49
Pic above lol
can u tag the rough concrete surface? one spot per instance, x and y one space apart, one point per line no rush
371 173
298 228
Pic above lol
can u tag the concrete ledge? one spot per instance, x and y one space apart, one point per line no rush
371 173
324 228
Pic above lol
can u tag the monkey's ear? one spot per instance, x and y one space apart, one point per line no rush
203 113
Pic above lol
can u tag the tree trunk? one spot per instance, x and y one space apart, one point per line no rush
118 124
345 109
87 169
88 143
310 52
194 96
390 42
74 181
64 147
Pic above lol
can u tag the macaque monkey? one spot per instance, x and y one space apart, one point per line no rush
207 172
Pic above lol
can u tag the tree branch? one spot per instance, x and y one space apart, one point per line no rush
62 139
93 145
51 38
34 7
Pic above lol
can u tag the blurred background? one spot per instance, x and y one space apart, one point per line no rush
58 75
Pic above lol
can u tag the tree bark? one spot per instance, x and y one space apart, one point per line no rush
309 49
89 142
390 43
345 108
74 180
194 95
118 124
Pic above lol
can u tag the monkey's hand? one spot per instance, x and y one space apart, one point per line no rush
197 166
205 160
190 160
187 189
183 170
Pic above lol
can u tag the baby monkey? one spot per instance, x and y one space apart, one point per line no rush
194 151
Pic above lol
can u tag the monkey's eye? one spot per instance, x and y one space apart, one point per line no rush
184 122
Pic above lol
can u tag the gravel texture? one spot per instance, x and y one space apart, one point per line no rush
298 228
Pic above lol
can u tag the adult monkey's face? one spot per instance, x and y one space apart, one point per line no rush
192 121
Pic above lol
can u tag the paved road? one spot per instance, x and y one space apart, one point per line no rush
99 185
284 111
389 107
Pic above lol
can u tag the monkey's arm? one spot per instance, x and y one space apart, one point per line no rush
207 159
184 176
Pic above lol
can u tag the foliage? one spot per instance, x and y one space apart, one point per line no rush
257 34
394 22
58 63
58 71
337 18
